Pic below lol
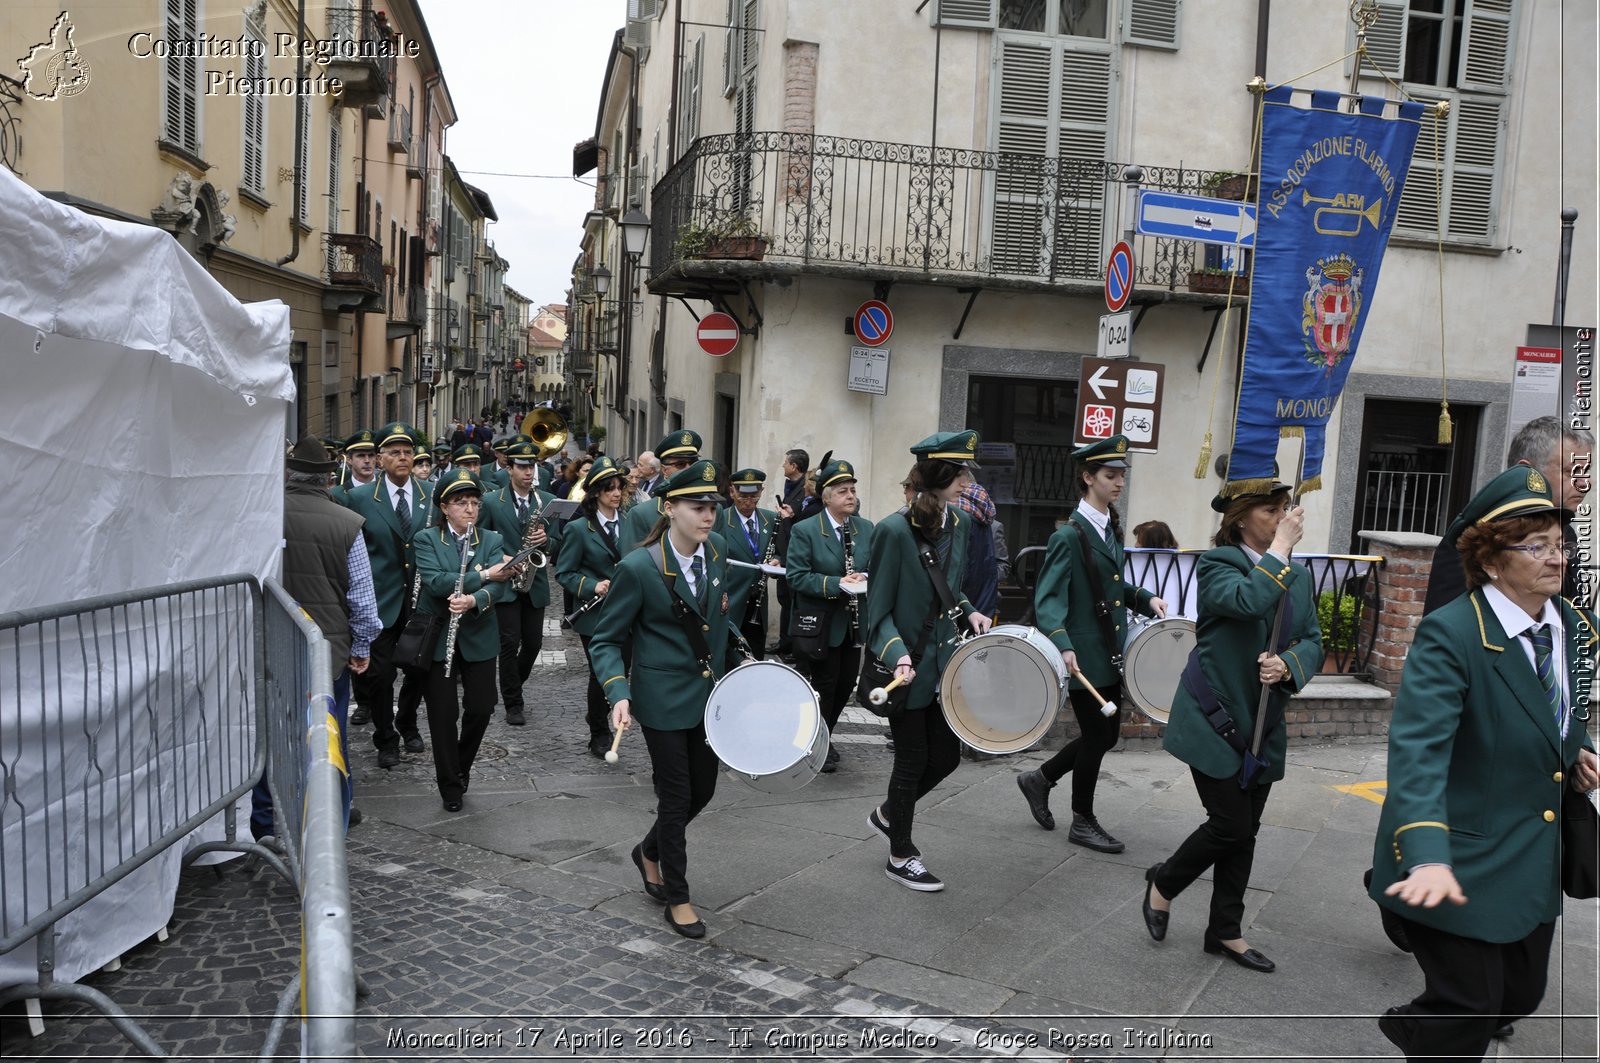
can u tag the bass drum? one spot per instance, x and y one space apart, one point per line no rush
1003 689
763 721
1153 662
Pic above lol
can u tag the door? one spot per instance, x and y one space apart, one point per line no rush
1407 480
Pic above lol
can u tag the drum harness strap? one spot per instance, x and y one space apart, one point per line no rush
943 601
1102 604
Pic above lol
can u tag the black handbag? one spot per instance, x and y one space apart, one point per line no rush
418 639
1580 846
808 632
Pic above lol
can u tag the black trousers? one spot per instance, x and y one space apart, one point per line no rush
457 727
756 636
1082 756
374 689
834 679
1471 989
599 709
521 639
926 751
1226 843
685 778
785 604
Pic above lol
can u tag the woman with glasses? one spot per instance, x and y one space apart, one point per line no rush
589 554
457 729
1489 728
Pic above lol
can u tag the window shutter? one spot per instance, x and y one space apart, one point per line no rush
1479 123
1085 103
695 86
335 149
750 48
255 117
1419 201
643 9
1022 130
730 49
965 14
181 91
1152 23
1486 59
302 161
1386 41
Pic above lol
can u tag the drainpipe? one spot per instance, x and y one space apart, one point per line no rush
299 137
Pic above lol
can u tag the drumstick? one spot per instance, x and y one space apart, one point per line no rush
879 695
1107 708
616 740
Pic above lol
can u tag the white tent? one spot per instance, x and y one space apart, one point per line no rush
141 433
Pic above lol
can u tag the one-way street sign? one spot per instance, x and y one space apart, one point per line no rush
1199 218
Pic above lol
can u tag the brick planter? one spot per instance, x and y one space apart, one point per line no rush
1402 588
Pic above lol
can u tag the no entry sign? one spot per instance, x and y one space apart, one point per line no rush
717 335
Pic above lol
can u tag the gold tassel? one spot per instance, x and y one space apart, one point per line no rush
1292 431
1235 488
1202 466
1313 484
1446 429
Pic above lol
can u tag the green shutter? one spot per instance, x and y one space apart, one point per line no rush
1152 23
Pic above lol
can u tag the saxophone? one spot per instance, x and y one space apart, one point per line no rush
455 618
854 604
523 579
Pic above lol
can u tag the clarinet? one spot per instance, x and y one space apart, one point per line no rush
854 604
455 618
757 596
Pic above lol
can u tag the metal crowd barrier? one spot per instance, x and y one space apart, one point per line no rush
126 722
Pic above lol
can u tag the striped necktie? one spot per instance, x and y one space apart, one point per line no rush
402 512
1544 664
697 570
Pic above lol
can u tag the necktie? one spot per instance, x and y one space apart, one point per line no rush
942 547
754 537
610 527
403 512
839 531
522 507
697 573
1544 664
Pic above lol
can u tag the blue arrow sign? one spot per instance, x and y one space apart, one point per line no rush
1199 218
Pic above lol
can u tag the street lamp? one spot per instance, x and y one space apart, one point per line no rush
635 230
602 281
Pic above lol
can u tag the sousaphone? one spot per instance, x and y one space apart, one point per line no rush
547 429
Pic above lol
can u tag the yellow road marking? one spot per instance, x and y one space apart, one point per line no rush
1372 791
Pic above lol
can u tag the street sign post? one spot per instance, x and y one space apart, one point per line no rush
717 334
1199 218
1116 396
869 370
874 323
1119 276
1116 332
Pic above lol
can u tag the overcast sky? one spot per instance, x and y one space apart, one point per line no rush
525 78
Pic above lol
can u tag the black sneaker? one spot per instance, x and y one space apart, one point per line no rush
1036 788
876 823
515 718
388 758
914 876
1087 832
360 716
414 744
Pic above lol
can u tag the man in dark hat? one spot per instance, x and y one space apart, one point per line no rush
360 460
749 531
326 571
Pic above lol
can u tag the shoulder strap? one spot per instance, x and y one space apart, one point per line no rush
681 611
943 600
1102 604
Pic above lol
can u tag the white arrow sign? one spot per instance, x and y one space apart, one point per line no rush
1098 381
1212 221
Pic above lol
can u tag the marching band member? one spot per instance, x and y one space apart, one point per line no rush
513 512
670 600
360 460
584 567
827 554
1242 583
750 532
677 452
901 602
439 554
1081 610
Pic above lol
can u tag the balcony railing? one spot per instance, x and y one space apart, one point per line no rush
10 124
400 129
880 208
581 364
363 55
464 360
355 262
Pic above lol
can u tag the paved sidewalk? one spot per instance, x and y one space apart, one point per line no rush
523 914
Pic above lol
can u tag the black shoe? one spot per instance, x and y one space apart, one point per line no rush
414 744
1249 958
1394 1025
914 875
830 763
452 804
355 816
515 718
1036 788
876 823
1087 832
360 716
1394 928
696 929
1503 1032
1154 921
599 746
654 890
388 758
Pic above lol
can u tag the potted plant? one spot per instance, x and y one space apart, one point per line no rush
1213 281
1224 184
735 236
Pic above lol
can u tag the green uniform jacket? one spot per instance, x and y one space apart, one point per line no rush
586 558
1237 604
742 581
637 523
1476 771
478 637
496 477
816 563
1064 599
387 547
499 514
900 594
673 685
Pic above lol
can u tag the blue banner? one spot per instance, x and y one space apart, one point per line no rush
1330 188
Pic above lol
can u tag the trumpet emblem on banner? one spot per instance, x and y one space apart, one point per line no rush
1332 306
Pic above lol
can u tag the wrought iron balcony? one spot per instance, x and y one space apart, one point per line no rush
363 55
10 124
865 208
581 363
400 129
464 360
355 273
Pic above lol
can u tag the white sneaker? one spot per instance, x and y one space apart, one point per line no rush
914 875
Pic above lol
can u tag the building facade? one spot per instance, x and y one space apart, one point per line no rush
964 161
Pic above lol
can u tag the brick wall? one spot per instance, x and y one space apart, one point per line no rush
1402 588
799 110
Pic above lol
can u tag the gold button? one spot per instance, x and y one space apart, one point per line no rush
1556 777
705 627
1549 816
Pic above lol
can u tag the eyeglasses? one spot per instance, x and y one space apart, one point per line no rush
1544 551
473 502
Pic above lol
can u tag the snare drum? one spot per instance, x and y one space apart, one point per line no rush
1152 664
764 723
1002 690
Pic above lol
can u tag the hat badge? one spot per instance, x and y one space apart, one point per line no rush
844 466
686 439
1122 446
972 443
1536 481
709 475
